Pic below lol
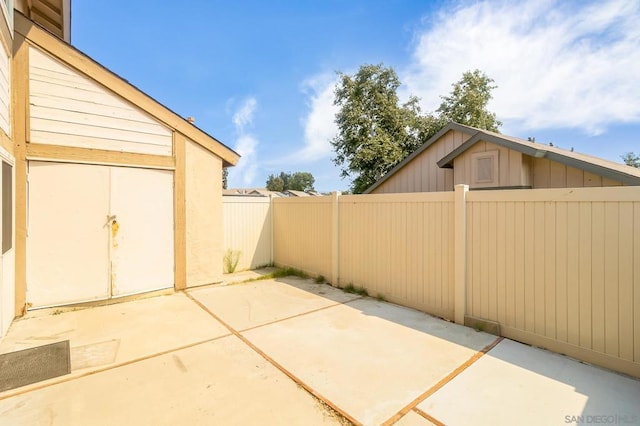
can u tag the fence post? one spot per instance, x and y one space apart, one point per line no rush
271 219
335 235
460 252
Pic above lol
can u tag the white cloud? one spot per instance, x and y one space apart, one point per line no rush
243 174
244 115
319 125
556 64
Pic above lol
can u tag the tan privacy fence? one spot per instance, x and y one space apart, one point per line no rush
304 228
556 268
400 247
560 269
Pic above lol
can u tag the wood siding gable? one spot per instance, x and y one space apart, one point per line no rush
419 172
70 109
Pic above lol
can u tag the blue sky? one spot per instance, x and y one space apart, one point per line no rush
259 75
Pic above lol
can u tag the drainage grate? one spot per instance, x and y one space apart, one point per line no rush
33 365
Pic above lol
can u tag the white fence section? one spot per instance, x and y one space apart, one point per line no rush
248 229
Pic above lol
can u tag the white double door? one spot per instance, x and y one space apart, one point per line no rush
96 232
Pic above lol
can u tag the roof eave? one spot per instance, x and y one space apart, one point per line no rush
447 161
594 168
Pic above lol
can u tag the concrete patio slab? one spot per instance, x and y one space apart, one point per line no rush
220 382
256 303
115 334
518 384
167 360
369 358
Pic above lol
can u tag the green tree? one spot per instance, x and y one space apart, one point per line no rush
298 181
376 132
467 102
225 177
631 159
301 181
275 183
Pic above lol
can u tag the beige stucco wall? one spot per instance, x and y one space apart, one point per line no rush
422 174
204 237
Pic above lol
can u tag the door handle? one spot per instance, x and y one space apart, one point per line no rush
110 220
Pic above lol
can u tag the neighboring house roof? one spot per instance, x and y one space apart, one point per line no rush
252 192
73 57
265 192
450 126
610 169
294 193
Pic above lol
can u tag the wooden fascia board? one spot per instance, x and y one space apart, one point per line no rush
447 161
433 139
84 64
46 152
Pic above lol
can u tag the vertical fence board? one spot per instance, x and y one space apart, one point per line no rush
636 282
573 273
510 261
519 266
529 268
484 260
585 249
560 279
597 274
539 268
492 294
625 280
550 269
611 259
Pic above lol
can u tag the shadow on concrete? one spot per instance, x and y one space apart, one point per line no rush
401 315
